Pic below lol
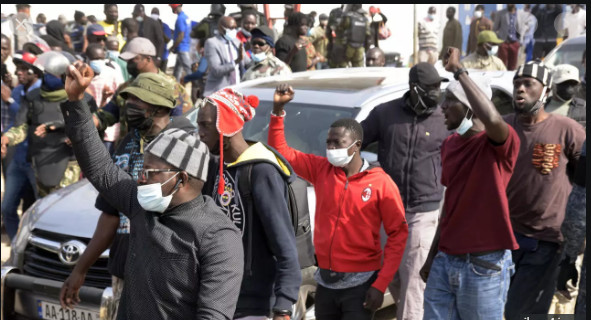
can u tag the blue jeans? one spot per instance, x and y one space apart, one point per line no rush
461 288
183 63
20 184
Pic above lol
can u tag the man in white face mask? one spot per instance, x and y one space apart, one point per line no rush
185 255
265 62
474 239
150 29
479 23
485 56
353 199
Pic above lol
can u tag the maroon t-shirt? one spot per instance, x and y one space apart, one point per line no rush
476 174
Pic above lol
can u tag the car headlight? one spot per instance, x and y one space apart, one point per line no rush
25 227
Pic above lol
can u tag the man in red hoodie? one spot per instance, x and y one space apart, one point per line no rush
353 200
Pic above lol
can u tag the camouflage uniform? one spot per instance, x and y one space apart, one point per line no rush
71 175
271 66
107 119
353 54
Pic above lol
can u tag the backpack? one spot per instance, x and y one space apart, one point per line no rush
357 31
297 204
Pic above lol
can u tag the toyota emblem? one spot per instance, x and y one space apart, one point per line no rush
71 251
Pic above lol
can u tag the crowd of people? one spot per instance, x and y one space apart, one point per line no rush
484 214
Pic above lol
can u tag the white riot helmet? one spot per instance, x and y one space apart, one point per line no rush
52 62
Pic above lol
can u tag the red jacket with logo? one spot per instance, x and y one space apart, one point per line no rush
349 213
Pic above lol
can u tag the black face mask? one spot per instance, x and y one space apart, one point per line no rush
427 100
132 69
136 118
565 91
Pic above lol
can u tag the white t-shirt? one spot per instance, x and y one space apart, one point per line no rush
575 23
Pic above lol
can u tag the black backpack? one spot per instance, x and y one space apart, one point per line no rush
297 204
357 31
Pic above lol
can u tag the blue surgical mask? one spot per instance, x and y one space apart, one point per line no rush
97 66
150 196
113 54
465 125
258 57
230 34
139 19
431 16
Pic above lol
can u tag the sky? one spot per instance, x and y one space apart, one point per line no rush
400 16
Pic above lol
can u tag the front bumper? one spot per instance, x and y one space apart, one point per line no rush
21 293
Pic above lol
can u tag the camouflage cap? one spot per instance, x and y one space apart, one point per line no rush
152 88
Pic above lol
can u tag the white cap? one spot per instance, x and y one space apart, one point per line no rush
455 87
138 45
565 72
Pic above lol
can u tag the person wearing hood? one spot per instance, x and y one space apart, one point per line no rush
564 89
266 64
41 121
538 191
469 266
485 56
150 29
271 270
354 199
55 36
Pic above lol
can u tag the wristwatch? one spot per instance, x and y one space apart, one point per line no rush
286 314
459 72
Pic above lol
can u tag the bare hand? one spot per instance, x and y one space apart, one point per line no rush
68 142
78 79
283 94
107 92
70 289
6 92
240 54
451 59
4 143
373 299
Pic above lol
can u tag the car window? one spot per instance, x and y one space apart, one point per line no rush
306 125
567 54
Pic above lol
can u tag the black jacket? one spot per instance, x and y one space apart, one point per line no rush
272 275
409 151
184 263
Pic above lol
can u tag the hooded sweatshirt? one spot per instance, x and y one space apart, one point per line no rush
349 213
272 271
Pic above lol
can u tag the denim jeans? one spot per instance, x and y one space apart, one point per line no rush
461 288
183 63
20 184
534 283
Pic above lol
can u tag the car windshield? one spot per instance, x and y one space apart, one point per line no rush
567 54
306 125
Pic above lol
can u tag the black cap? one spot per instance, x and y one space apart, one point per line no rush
425 73
265 33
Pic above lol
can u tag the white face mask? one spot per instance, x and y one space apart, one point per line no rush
258 57
493 51
231 34
155 16
340 157
150 196
465 125
139 19
477 14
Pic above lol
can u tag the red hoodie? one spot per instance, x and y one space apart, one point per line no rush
349 213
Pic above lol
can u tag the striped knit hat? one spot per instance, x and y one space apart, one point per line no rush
535 69
233 110
183 150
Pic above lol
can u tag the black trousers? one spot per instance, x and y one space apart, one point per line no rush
343 304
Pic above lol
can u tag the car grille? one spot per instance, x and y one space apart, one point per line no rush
46 264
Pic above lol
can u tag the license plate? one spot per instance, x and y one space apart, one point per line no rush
53 311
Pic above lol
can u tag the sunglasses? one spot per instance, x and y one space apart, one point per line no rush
258 43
